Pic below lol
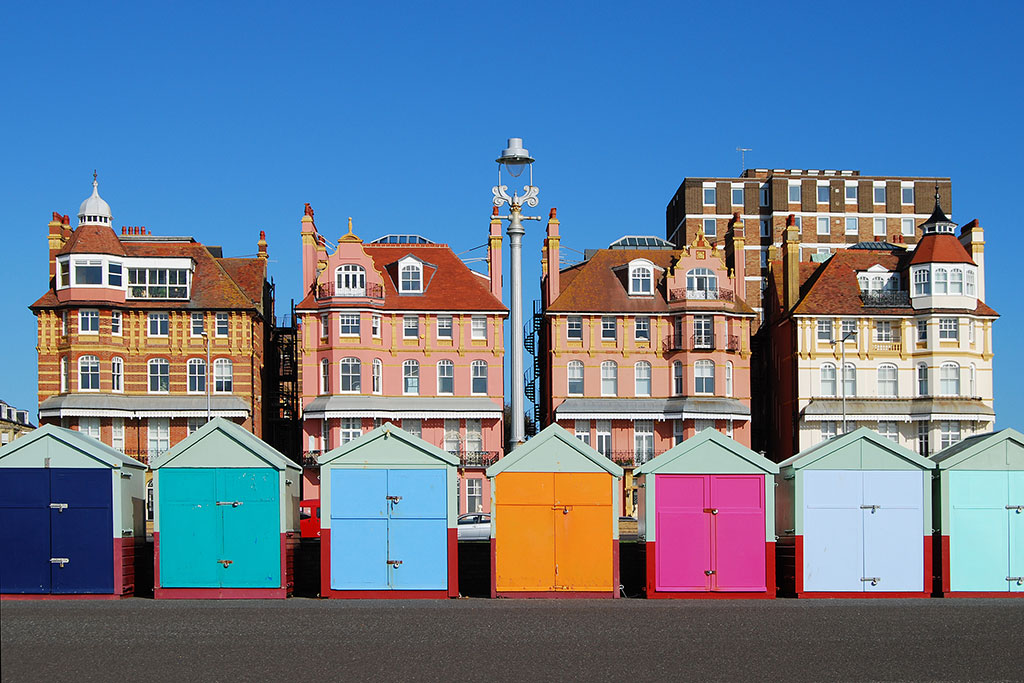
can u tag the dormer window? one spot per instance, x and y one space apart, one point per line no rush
411 277
701 283
158 283
641 278
350 280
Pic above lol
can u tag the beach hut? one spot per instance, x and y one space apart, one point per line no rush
555 503
389 521
71 514
226 520
707 517
854 519
980 515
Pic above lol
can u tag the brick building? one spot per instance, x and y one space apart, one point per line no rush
832 210
895 339
122 351
643 345
13 423
401 330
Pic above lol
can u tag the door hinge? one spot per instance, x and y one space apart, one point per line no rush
873 579
232 503
395 563
59 507
870 507
60 560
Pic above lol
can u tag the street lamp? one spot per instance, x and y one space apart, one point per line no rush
515 159
842 372
206 382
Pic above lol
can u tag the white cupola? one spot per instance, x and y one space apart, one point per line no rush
94 211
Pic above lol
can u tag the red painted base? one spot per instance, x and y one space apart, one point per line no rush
124 578
327 592
614 593
926 593
288 540
654 594
53 596
983 594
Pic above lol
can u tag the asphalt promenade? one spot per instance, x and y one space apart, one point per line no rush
307 640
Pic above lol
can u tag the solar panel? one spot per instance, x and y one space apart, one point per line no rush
401 239
641 242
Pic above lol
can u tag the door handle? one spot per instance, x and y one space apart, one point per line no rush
1018 508
395 563
873 579
232 503
713 511
394 499
1018 579
60 560
870 507
709 572
59 507
225 563
564 508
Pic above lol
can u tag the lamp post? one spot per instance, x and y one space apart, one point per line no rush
515 159
842 371
206 382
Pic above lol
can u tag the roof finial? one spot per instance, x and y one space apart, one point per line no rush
936 191
350 225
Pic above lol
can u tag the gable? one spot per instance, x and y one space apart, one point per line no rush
554 450
385 446
223 444
709 452
861 449
1002 450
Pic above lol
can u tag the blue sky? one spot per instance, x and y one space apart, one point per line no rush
219 122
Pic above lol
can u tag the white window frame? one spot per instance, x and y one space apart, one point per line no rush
445 327
641 278
92 371
445 375
376 376
88 321
325 376
907 227
609 378
826 328
375 326
478 328
574 328
678 379
876 198
116 323
728 378
222 325
410 327
350 375
351 429
117 434
709 191
733 192
888 429
410 277
903 195
828 382
349 325
410 378
643 441
350 280
793 192
949 379
642 328
852 225
196 379
479 372
198 325
603 437
878 227
703 376
819 188
223 376
117 375
158 372
710 226
824 226
949 329
922 379
609 328
950 433
325 325
571 369
850 380
581 430
642 378
158 436
888 387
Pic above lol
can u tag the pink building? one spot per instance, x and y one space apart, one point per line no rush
400 330
645 345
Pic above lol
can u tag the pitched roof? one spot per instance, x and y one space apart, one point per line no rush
545 455
597 285
452 287
93 239
973 445
940 248
85 444
698 441
243 438
819 451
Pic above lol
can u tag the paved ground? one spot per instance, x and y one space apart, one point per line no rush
622 640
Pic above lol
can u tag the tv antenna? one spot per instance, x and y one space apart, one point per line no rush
743 157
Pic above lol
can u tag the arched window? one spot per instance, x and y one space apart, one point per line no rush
350 280
196 376
445 377
411 378
642 378
956 281
574 375
159 376
88 373
411 278
223 376
949 379
641 278
971 291
828 379
377 371
701 283
704 377
478 370
677 379
117 375
609 378
922 379
877 283
941 281
849 380
888 384
728 378
351 374
922 282
325 376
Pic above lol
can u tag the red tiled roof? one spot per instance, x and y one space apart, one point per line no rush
597 286
93 239
449 284
249 274
940 248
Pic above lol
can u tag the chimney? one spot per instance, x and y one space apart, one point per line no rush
310 246
791 263
972 236
57 238
550 261
261 246
737 243
494 254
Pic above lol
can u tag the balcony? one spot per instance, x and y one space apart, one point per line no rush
701 342
887 346
309 458
885 299
328 290
720 294
631 458
476 458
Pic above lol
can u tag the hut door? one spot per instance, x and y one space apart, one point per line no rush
417 529
738 542
82 531
893 532
524 531
1016 514
247 500
359 529
583 533
190 540
683 533
24 530
833 536
979 552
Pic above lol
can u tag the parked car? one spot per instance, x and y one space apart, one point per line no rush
474 526
309 518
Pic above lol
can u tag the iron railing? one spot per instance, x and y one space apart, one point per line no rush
309 458
720 294
885 299
476 458
630 458
327 290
